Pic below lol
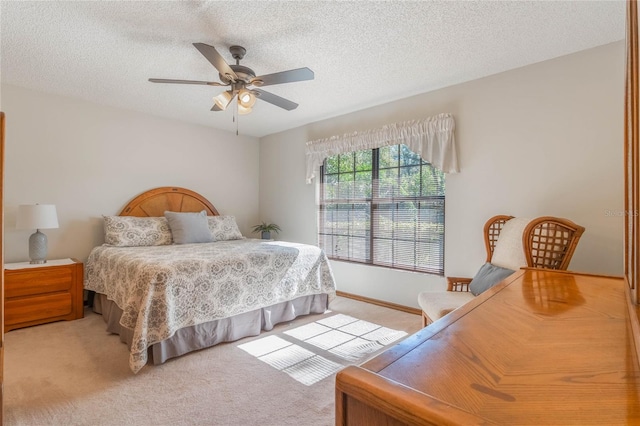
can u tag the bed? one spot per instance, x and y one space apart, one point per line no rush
166 299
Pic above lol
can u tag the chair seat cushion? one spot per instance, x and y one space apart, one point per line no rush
488 276
436 304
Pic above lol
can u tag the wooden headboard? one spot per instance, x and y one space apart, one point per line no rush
155 202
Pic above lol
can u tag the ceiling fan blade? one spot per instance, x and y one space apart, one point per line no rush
275 99
164 80
216 108
216 60
300 74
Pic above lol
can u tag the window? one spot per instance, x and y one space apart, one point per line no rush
383 207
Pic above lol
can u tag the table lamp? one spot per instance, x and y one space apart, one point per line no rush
37 216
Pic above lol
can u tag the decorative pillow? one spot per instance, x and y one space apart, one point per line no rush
509 252
189 227
130 231
488 276
224 228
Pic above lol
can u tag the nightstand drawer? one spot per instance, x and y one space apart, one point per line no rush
38 281
37 308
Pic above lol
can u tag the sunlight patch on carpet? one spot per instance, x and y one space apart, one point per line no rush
308 331
340 336
287 357
264 346
384 335
337 320
359 328
313 370
330 339
355 349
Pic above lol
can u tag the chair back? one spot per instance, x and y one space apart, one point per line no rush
549 242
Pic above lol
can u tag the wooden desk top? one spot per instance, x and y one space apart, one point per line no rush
543 347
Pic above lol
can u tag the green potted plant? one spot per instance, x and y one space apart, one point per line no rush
266 229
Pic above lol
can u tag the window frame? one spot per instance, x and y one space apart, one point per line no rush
375 201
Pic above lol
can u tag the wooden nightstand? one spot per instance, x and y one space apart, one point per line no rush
37 294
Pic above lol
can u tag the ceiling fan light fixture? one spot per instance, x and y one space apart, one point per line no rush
242 110
246 98
222 100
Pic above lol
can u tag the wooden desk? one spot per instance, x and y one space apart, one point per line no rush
542 347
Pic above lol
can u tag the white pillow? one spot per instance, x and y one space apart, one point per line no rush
509 252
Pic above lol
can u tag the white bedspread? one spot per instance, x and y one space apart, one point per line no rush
164 288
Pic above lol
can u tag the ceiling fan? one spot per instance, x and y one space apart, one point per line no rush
240 80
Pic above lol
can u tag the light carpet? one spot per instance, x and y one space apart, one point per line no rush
75 373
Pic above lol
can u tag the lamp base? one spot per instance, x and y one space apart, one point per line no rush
38 247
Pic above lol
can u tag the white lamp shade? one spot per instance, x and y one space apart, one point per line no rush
37 216
246 98
223 99
243 110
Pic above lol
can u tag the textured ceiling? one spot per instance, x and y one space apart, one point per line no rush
363 53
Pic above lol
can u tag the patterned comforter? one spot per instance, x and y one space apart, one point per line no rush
161 289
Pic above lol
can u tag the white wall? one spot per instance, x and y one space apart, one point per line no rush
90 160
545 139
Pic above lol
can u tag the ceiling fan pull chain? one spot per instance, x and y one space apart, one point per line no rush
236 114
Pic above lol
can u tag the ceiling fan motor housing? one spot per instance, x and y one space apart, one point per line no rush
244 73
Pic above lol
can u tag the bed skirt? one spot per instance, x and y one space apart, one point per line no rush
205 335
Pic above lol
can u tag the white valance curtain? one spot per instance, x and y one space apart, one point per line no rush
431 138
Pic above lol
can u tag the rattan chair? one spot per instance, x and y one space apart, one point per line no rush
548 242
